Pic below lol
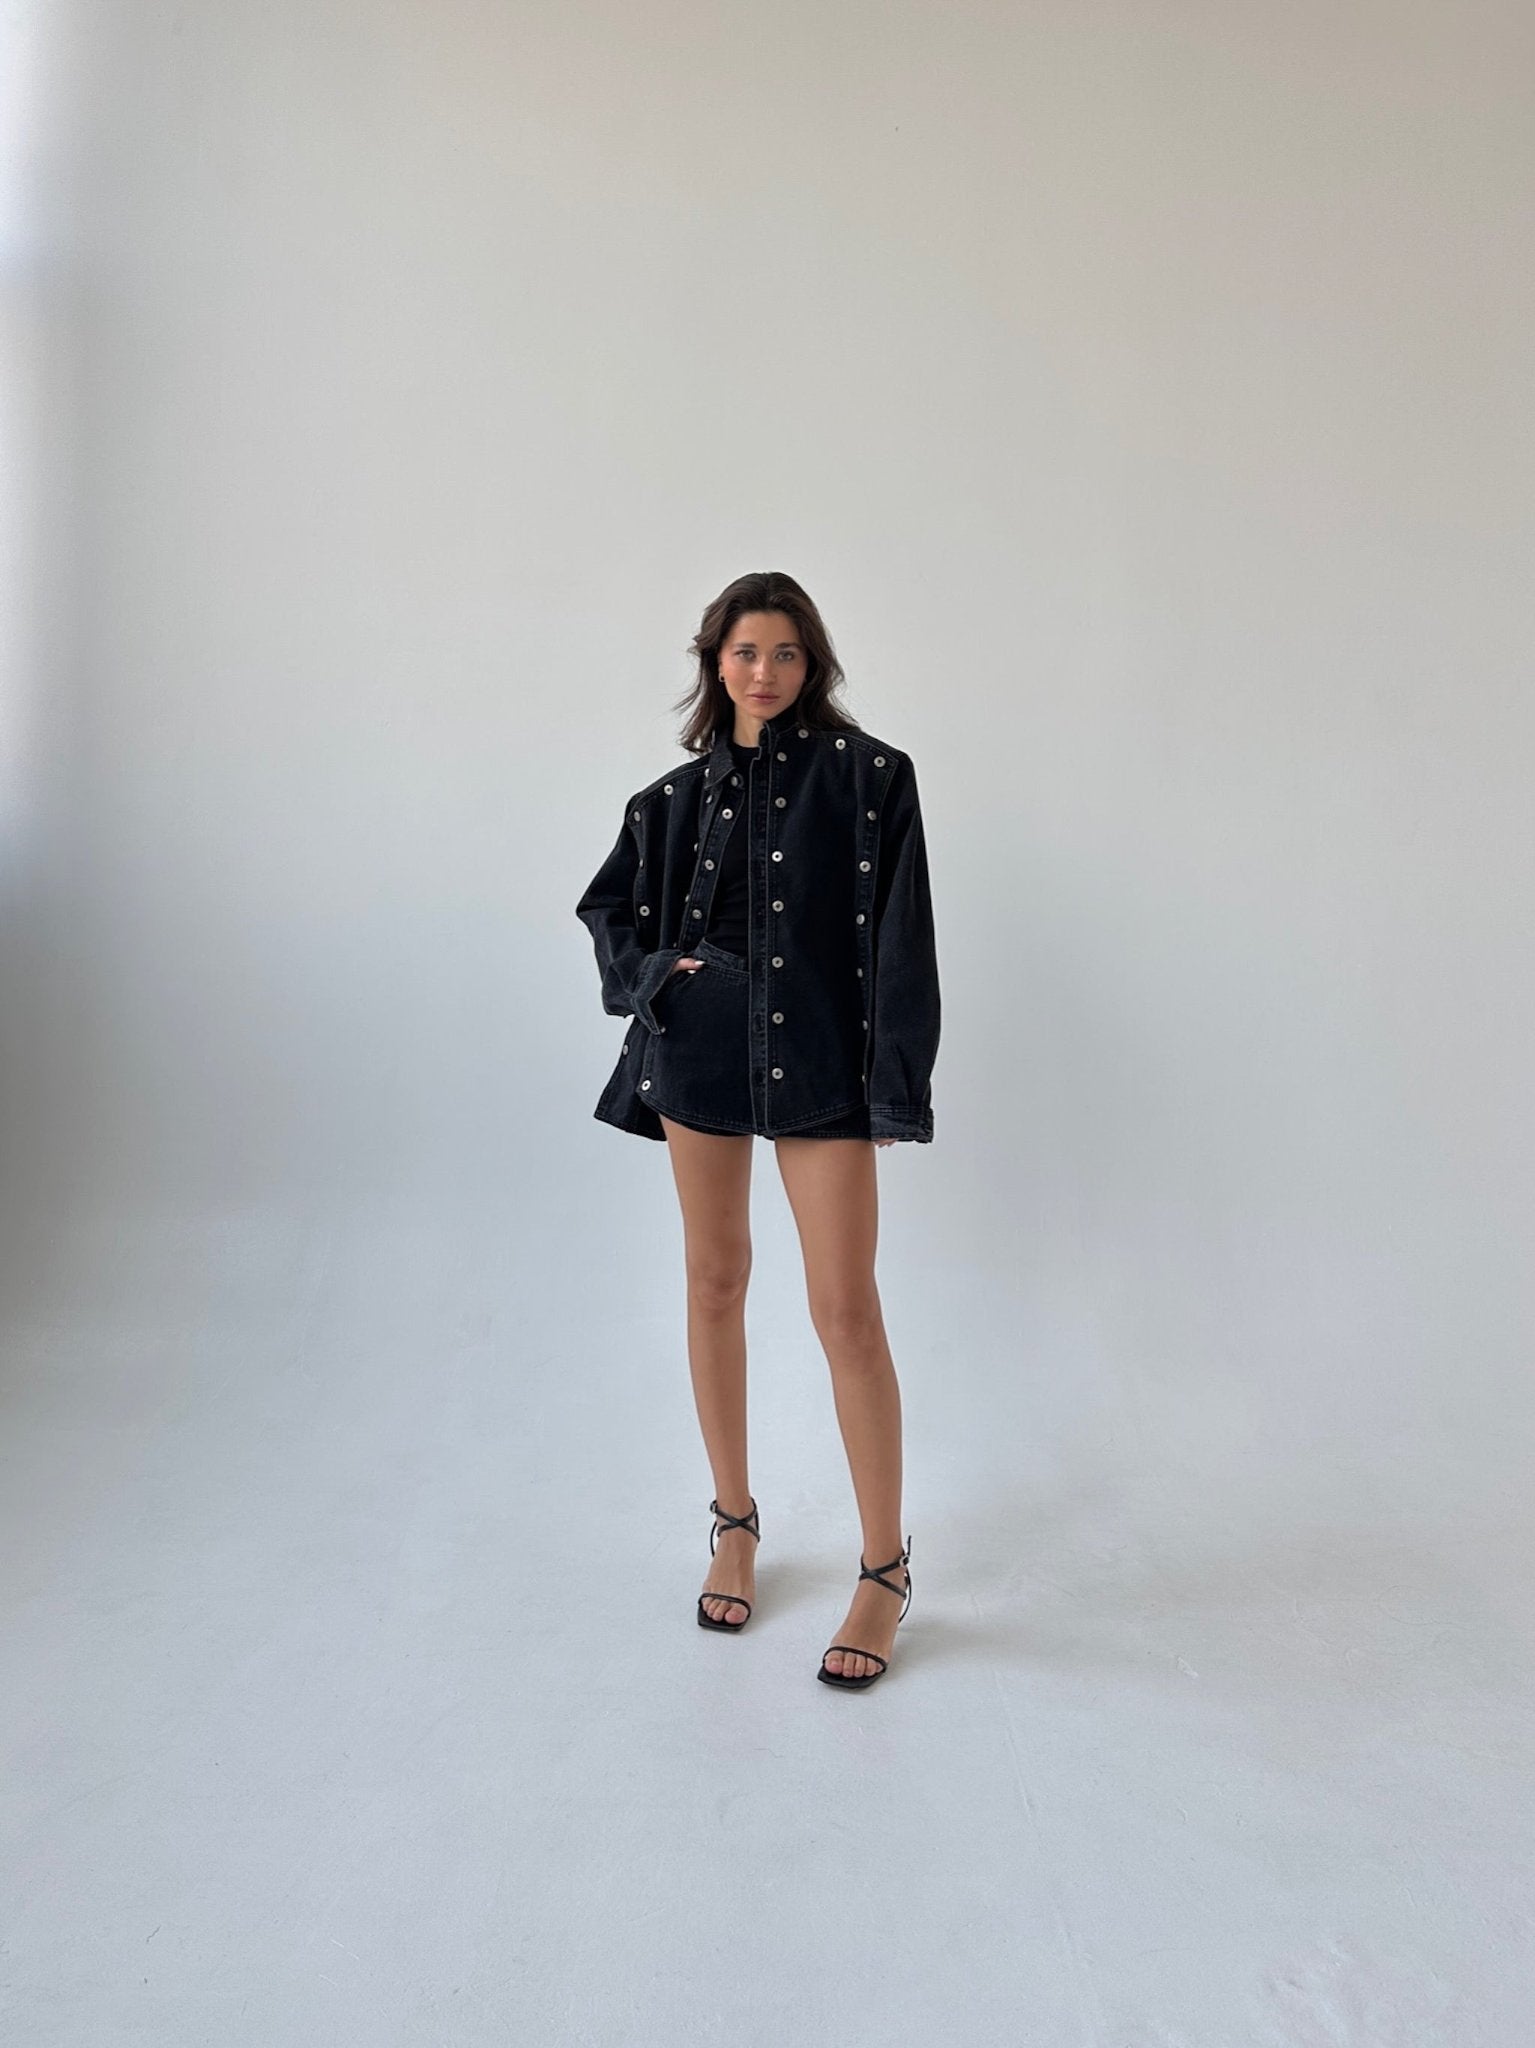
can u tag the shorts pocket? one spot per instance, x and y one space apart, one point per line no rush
671 989
697 1067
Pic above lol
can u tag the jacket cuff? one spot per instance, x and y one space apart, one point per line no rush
901 1120
648 983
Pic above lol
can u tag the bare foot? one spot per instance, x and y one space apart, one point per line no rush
870 1623
732 1575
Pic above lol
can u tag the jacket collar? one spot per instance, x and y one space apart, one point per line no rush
721 762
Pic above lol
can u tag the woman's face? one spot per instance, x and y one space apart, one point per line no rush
762 663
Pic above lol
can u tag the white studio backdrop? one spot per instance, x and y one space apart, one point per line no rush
1144 396
1144 393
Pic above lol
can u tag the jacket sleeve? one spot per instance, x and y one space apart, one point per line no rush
903 1038
632 971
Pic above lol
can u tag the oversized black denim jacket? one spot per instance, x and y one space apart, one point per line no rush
840 925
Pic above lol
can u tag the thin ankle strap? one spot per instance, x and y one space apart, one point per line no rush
877 1572
747 1522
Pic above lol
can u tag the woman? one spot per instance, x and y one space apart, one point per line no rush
765 920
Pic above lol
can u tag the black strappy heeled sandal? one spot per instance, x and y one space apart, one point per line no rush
853 1649
724 1521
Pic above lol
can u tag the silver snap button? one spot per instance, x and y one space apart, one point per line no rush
782 755
644 1084
707 863
736 779
778 1016
778 960
803 734
865 1023
841 742
625 1051
634 814
860 917
778 903
879 760
776 854
698 913
868 814
644 910
727 812
860 974
668 788
780 801
864 865
778 1073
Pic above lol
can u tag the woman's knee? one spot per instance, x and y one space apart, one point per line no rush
717 1278
850 1324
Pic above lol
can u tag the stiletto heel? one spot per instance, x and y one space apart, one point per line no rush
853 1649
724 1521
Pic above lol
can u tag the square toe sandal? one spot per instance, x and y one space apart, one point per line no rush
724 1521
856 1649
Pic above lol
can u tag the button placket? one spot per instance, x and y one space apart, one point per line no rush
759 792
865 896
701 889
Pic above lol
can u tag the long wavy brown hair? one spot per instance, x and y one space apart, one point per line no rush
707 705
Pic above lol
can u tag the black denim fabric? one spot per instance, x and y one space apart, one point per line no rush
837 1010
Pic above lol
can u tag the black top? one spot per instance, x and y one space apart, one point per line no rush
727 913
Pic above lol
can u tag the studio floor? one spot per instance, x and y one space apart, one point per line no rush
353 1695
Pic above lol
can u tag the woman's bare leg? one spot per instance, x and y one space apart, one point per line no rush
713 1177
833 1189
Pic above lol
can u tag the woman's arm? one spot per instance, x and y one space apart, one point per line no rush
903 1038
631 971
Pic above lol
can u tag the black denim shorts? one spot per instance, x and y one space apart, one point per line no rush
697 1068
